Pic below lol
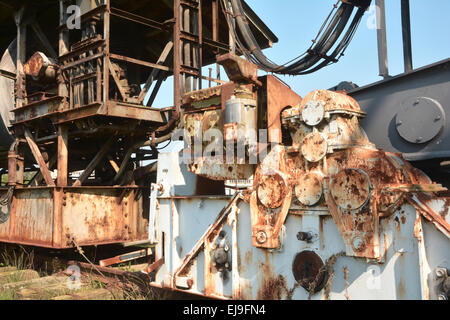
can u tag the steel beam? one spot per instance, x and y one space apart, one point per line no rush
382 42
406 31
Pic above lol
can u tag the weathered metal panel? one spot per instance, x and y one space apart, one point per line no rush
99 216
90 216
384 100
31 218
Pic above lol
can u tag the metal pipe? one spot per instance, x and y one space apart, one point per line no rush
406 31
382 42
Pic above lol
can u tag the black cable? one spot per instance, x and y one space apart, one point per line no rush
315 58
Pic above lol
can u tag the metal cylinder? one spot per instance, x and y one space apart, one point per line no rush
241 117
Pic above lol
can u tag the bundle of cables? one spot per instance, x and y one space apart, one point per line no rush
328 47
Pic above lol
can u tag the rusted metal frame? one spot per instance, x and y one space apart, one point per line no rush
14 164
155 265
430 214
423 263
216 44
82 49
96 268
113 163
200 44
58 203
39 159
137 18
272 232
161 60
20 58
94 162
192 4
84 77
116 79
125 257
177 56
186 45
201 243
154 141
213 80
88 15
43 39
106 37
235 277
189 71
63 156
215 20
84 60
38 177
99 80
162 76
123 110
139 62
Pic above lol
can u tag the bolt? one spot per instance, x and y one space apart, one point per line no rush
399 123
437 118
227 265
304 236
416 102
419 139
226 248
441 272
261 237
358 243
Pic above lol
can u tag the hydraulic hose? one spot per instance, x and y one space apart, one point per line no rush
315 58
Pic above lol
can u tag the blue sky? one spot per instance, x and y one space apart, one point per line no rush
296 23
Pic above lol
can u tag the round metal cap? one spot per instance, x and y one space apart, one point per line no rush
313 113
350 189
272 190
420 120
309 189
309 270
314 147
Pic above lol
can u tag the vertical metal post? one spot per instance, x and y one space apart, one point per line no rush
230 36
63 156
106 37
187 49
177 55
63 47
200 43
382 42
406 31
20 59
215 20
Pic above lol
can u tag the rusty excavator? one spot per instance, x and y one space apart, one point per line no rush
341 194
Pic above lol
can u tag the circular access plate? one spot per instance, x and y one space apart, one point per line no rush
314 147
308 269
309 189
420 119
313 113
272 191
350 189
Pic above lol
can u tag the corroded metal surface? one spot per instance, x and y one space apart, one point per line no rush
309 189
46 217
